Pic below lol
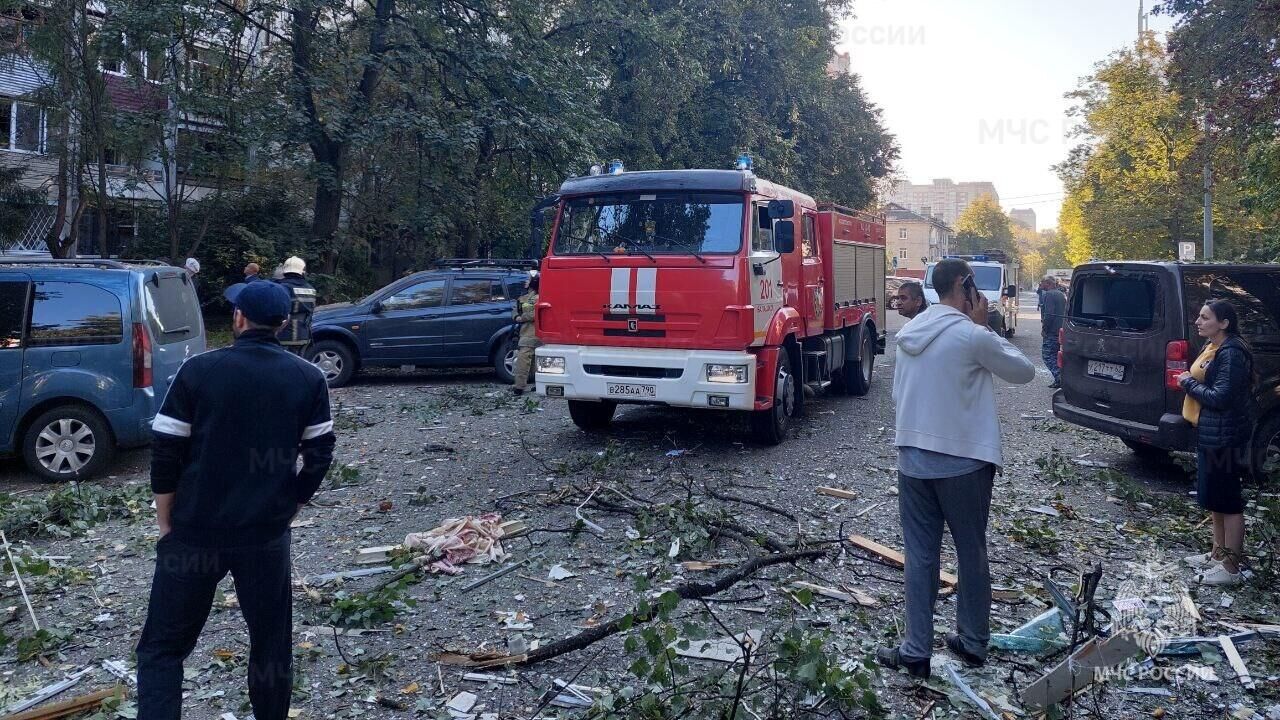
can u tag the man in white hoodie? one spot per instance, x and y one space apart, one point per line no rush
948 438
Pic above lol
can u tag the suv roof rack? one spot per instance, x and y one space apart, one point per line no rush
106 263
68 262
484 263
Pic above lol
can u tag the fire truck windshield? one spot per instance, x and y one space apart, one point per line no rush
690 223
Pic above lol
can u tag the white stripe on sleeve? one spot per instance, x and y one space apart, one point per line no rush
171 426
315 431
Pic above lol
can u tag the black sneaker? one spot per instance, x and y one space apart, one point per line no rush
892 658
517 391
955 645
1055 384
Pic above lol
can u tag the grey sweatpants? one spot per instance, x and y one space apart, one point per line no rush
964 503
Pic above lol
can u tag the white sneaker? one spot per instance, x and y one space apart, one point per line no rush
1219 575
1201 560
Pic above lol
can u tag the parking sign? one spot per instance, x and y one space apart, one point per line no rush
1186 251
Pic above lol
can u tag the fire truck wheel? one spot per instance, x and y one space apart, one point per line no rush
770 426
858 375
590 415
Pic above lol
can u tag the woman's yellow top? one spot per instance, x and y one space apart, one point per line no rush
1191 406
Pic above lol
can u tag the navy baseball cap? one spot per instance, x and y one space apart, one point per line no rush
265 303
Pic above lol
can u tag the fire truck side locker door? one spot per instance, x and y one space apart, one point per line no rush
812 300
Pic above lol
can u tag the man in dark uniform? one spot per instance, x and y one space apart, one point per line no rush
524 312
296 334
226 444
252 272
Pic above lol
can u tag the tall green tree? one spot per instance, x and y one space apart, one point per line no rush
984 226
1132 182
1225 56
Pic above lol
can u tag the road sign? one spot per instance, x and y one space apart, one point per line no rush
1186 251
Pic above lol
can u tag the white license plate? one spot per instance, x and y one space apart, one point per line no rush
1110 371
630 390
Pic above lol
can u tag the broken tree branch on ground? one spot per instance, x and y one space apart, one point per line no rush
639 615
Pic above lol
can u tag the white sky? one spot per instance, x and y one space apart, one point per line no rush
973 89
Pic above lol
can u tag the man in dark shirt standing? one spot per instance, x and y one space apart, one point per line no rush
223 470
1053 308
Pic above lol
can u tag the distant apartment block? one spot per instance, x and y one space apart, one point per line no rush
839 65
942 198
1026 217
914 239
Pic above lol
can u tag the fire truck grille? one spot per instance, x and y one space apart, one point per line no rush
633 371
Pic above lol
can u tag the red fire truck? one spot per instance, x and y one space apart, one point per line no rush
706 289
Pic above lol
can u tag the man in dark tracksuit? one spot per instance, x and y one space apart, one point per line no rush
1053 308
225 449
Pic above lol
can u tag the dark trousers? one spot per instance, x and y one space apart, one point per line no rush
963 503
1049 354
181 597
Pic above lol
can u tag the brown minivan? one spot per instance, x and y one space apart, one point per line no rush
1130 331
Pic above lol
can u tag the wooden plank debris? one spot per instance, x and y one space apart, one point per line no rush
490 678
513 528
47 692
856 597
895 558
837 492
1079 670
375 555
69 707
346 575
1237 663
705 565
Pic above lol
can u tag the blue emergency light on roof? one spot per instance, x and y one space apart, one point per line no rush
743 163
615 167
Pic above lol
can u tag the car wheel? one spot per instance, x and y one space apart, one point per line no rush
504 360
590 415
335 360
1144 451
1266 454
70 442
770 426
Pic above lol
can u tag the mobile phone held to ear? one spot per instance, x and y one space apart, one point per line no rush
970 288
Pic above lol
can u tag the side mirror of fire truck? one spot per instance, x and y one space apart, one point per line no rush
782 209
784 236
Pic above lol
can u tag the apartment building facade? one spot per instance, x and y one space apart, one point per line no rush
914 240
942 197
135 83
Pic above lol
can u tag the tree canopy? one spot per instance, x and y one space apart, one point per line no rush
391 133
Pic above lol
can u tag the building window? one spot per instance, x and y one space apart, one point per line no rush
25 124
902 233
902 253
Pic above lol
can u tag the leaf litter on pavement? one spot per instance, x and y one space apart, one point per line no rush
612 526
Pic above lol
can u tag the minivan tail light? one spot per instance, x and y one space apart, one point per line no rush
1175 363
141 356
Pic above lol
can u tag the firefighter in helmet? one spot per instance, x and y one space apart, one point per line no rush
295 336
529 341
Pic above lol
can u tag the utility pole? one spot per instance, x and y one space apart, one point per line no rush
1208 192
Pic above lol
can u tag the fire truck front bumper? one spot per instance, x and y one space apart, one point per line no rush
679 378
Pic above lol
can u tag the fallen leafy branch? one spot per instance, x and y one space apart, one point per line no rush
642 613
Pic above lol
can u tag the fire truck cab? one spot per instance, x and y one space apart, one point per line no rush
706 289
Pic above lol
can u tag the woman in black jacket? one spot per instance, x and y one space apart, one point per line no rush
1219 390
